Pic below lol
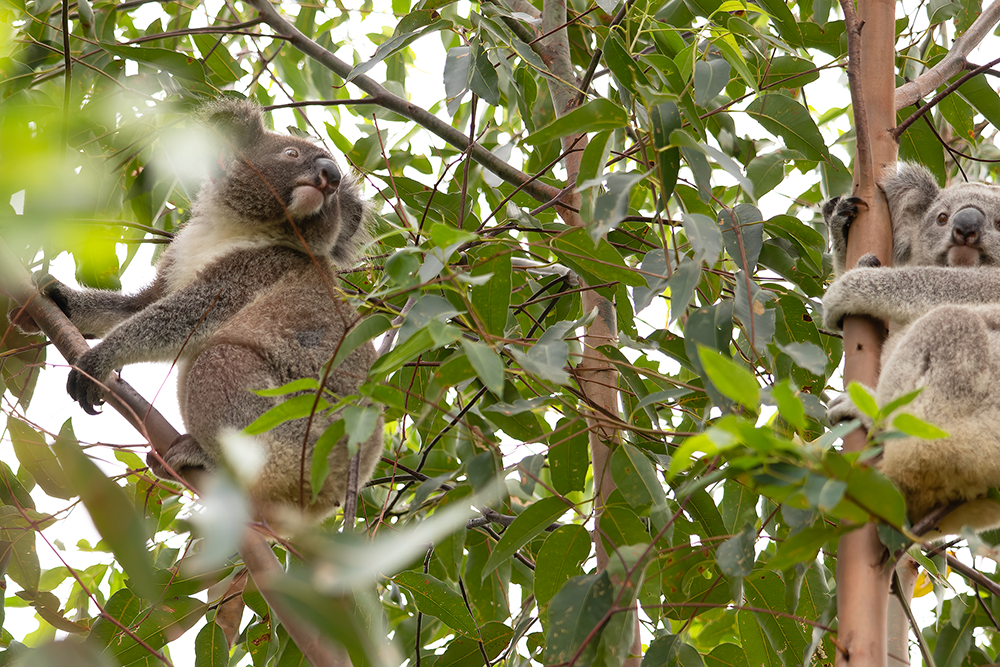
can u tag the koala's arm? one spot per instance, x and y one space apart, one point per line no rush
903 294
96 312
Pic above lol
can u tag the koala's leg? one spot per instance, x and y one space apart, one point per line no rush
953 353
216 397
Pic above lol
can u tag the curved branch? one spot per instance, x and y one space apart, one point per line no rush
898 131
257 555
383 98
952 63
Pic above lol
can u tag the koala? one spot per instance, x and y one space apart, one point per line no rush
244 299
941 300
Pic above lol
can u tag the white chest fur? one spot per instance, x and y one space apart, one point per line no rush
208 236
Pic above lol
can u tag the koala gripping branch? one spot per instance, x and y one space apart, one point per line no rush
257 555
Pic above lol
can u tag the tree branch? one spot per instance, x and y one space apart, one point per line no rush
952 63
383 98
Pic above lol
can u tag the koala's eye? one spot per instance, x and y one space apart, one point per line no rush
291 152
942 218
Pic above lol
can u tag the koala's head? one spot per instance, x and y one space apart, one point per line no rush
956 226
276 181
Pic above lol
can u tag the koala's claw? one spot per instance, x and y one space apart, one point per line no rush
840 212
84 391
869 261
84 383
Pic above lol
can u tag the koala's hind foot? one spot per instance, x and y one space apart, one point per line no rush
842 409
184 456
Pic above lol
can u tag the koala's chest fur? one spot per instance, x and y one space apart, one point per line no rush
203 241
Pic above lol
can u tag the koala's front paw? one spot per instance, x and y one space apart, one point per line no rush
183 456
839 213
51 288
83 384
842 409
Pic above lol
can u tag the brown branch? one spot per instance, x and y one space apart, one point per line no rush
863 158
383 98
898 131
952 63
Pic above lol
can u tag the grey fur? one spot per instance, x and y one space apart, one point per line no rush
242 305
941 300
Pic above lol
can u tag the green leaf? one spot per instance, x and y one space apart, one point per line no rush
178 64
704 237
636 478
547 357
594 116
804 546
491 300
574 613
360 422
807 355
113 516
569 455
559 560
731 379
664 119
710 77
210 647
295 407
612 206
746 221
438 599
36 457
783 19
953 643
321 455
411 28
466 652
863 399
791 121
670 651
914 426
533 520
599 260
735 556
366 330
483 79
487 364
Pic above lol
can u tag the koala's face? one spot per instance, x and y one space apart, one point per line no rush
275 180
957 226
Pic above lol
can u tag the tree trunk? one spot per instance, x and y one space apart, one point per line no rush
863 569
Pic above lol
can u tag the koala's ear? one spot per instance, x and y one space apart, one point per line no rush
239 124
909 193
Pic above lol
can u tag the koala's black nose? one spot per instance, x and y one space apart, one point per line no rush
328 173
965 226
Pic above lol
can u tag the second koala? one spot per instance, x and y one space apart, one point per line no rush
941 300
244 299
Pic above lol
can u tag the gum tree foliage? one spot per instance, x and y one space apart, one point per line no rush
710 139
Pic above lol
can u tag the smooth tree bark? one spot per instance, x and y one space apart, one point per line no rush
863 564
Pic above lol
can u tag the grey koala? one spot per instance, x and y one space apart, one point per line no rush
941 300
244 305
